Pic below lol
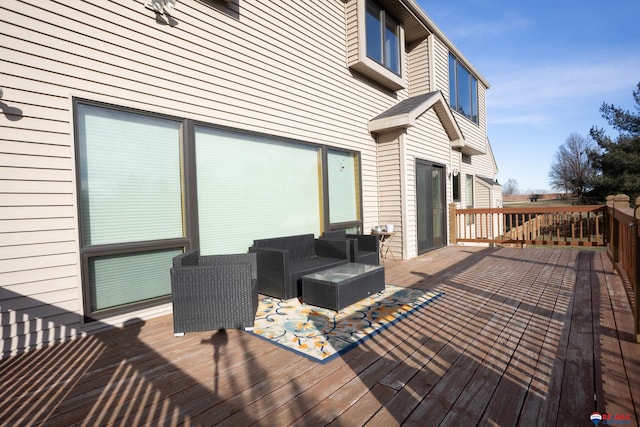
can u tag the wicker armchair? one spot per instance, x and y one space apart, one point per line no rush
213 292
364 248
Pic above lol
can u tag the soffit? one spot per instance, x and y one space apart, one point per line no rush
414 29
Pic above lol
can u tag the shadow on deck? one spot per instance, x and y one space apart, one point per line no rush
520 337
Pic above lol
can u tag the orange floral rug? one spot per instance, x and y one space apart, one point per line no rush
322 334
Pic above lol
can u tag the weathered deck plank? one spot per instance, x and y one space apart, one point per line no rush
520 337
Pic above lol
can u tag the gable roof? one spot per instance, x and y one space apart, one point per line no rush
405 113
488 182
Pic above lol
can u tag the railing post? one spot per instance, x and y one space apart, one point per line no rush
453 224
636 267
616 202
611 240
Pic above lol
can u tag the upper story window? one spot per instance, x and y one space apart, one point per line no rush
375 44
463 90
383 37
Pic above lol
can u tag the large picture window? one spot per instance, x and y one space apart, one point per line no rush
463 90
151 186
383 37
130 193
252 187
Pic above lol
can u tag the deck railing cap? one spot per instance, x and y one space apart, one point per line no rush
619 201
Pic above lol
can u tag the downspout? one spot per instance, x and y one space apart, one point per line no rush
403 193
432 62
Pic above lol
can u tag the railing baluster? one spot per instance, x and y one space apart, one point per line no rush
579 225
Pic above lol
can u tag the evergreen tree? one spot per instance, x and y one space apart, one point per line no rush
617 161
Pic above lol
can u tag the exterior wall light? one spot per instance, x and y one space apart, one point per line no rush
161 6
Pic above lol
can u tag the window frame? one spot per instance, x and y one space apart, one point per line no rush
329 225
469 189
387 55
190 238
455 86
455 184
358 55
91 251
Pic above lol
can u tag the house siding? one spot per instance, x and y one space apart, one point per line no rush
257 66
426 141
390 187
419 71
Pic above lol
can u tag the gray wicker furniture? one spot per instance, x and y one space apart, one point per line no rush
282 261
364 248
213 292
341 286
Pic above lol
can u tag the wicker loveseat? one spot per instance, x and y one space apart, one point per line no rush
364 248
213 292
282 261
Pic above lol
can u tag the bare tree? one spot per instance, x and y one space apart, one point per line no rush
571 169
510 188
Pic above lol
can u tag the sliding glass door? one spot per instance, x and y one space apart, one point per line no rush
431 205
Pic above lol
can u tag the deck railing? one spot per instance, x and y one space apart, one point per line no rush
614 225
559 225
624 226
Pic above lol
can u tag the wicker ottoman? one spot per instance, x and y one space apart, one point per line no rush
341 286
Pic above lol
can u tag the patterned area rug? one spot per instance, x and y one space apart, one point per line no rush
322 334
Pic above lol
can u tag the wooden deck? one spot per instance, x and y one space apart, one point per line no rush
521 337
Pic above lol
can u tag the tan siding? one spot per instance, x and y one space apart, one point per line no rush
30 175
37 237
441 62
279 68
390 188
419 71
351 14
482 196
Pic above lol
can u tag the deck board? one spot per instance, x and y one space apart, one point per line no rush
520 337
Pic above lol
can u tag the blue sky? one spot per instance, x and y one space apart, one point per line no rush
551 65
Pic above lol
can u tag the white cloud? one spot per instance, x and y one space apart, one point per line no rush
561 85
534 118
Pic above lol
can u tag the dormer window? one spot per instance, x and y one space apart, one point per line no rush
375 43
383 37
